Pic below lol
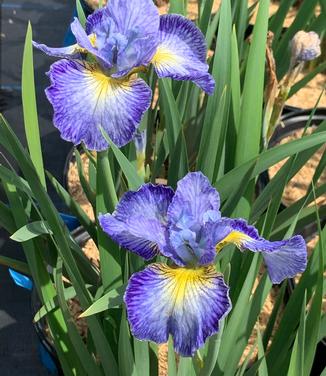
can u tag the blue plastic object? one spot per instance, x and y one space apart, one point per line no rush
25 282
47 360
21 280
71 222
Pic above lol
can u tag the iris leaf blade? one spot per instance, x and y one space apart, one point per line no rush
60 235
85 360
17 265
314 314
30 231
83 181
267 159
221 72
234 320
296 365
126 358
262 370
205 15
141 350
29 107
80 13
179 165
171 112
112 299
74 207
248 141
134 180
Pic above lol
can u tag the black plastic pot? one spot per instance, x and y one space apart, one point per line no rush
46 348
294 119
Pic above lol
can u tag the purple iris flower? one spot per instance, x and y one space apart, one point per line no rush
96 82
187 298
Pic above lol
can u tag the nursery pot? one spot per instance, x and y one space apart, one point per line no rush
46 348
293 120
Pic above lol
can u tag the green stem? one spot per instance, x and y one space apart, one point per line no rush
106 200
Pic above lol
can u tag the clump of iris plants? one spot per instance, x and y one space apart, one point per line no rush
174 118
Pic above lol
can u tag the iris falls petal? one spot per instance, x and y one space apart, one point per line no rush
284 259
139 221
71 52
161 300
84 98
181 53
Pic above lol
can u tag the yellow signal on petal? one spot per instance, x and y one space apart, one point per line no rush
165 57
234 237
186 281
92 39
104 85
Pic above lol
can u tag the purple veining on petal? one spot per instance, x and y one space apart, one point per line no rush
139 221
284 258
84 98
70 52
157 307
126 33
181 52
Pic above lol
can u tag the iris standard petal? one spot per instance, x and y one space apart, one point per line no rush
89 43
194 204
284 259
190 246
126 33
181 52
139 221
195 198
83 98
94 20
186 303
70 52
139 15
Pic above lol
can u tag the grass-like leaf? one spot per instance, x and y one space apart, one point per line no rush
30 231
29 107
112 299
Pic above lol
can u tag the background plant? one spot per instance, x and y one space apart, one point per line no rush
220 135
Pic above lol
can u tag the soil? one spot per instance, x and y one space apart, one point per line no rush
75 188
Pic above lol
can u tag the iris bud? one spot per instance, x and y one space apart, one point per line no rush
305 46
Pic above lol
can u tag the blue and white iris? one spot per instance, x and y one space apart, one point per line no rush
187 298
96 84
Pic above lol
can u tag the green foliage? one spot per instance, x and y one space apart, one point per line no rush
220 135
